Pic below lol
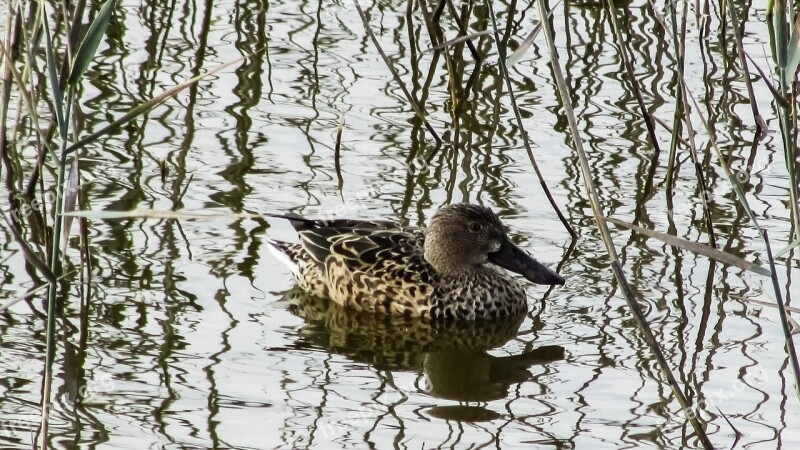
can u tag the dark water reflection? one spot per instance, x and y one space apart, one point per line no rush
446 361
183 343
452 356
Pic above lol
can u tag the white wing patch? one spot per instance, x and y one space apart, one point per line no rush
279 252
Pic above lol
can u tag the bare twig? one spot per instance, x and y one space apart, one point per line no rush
395 75
504 70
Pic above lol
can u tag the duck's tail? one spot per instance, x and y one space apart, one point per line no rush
310 275
286 253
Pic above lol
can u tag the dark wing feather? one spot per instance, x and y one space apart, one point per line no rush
359 249
360 253
301 223
319 241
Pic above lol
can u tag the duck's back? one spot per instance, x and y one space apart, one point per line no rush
380 271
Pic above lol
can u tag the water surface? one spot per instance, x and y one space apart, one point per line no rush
191 341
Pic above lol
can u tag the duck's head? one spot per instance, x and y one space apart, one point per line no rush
462 237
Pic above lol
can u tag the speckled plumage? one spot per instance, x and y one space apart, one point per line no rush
443 272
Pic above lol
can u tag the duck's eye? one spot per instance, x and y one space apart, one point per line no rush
474 227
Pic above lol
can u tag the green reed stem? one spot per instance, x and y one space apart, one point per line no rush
781 26
80 64
55 269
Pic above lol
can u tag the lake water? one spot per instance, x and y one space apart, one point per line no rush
192 337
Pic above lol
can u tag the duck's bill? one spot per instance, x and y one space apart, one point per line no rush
510 257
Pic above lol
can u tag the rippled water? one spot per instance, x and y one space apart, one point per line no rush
193 338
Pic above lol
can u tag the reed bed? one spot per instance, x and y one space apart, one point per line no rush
66 62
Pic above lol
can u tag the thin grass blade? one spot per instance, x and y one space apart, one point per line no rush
528 41
695 247
732 178
787 327
730 424
147 106
793 49
31 293
90 42
27 251
159 214
28 294
55 86
524 46
70 198
788 248
414 104
458 40
775 94
769 304
616 266
501 63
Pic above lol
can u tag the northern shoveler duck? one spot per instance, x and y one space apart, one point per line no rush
450 270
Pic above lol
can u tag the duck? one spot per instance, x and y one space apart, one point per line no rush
453 269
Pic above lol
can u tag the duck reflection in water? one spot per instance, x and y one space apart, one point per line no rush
452 357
